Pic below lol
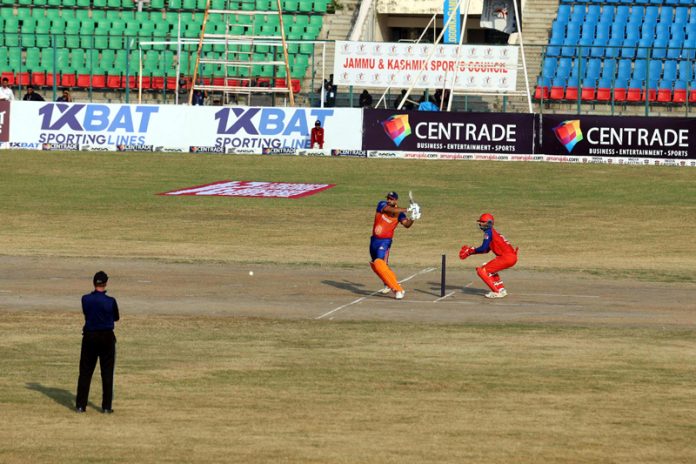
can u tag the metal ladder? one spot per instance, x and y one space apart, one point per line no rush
239 56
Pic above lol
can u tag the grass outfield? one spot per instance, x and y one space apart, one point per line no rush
251 391
613 220
221 389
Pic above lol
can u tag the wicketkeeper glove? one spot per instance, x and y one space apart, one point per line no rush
414 212
466 251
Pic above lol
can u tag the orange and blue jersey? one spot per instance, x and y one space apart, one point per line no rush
383 232
495 242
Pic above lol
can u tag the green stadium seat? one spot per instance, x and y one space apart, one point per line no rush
84 4
69 3
39 2
305 6
291 5
316 20
307 48
113 3
175 4
157 4
83 14
320 6
98 3
72 41
189 4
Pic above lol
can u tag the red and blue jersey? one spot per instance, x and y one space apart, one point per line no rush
495 242
385 224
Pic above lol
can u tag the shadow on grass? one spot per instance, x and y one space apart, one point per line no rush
352 287
59 395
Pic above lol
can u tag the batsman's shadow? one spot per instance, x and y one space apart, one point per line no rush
59 395
358 289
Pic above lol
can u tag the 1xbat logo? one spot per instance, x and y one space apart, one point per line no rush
93 118
269 121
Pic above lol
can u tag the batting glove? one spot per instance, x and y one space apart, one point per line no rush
466 251
414 211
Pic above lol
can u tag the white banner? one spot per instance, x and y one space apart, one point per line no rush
481 68
171 128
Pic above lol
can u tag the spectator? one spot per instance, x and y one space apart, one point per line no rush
408 104
183 84
331 90
32 96
428 105
5 90
365 99
199 95
65 98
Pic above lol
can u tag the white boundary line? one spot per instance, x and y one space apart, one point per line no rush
424 271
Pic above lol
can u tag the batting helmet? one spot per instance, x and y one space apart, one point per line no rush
393 195
485 222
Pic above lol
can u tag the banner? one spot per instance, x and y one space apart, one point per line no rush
416 131
482 68
499 15
629 137
178 128
454 28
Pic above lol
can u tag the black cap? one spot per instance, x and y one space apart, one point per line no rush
393 195
318 123
100 279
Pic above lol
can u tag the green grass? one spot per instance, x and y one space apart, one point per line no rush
206 389
596 218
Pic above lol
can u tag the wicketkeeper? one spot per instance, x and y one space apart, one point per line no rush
506 256
387 218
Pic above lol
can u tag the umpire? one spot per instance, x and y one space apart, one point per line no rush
98 341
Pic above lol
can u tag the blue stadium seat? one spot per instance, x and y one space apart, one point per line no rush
652 13
640 69
666 15
660 48
681 15
607 15
608 69
563 14
674 48
685 70
654 69
625 67
669 71
644 47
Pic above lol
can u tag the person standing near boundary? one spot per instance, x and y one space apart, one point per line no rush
317 136
387 217
98 342
506 256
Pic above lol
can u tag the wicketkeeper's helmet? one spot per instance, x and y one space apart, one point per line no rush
485 222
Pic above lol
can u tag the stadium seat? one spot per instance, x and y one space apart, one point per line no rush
664 91
603 90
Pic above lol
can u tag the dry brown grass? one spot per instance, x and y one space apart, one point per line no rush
209 389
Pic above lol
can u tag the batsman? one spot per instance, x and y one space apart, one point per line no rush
506 256
387 217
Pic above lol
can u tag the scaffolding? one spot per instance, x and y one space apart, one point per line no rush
245 49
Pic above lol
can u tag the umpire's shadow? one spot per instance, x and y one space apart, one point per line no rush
59 395
358 289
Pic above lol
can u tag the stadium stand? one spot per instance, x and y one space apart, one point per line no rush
95 43
620 51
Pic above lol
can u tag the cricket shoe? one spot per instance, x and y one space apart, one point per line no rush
400 295
502 293
385 291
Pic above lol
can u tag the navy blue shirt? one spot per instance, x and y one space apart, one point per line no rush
100 310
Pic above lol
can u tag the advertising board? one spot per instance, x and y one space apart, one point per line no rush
425 131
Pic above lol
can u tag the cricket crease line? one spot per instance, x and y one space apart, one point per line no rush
557 294
426 270
443 297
